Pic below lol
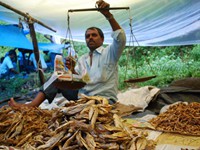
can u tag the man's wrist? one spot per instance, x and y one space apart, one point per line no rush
109 17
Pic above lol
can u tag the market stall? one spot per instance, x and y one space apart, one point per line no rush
92 123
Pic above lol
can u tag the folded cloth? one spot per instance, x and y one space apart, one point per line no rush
124 110
139 97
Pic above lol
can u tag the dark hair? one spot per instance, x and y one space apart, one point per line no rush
99 31
12 52
1 60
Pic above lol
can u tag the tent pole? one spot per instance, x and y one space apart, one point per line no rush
36 51
30 22
26 15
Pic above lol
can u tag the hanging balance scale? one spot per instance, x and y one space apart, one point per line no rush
74 84
132 47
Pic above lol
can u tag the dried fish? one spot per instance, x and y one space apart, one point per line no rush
119 123
23 141
69 140
180 118
18 129
63 126
89 123
90 141
78 139
109 146
94 116
75 109
99 99
52 141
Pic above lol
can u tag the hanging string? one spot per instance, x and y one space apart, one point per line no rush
69 34
39 62
131 43
70 38
136 54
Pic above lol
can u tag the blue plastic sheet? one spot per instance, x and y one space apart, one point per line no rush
13 36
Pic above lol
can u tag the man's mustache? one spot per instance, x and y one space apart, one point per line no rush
91 41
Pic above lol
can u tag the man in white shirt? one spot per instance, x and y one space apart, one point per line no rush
101 63
33 60
7 68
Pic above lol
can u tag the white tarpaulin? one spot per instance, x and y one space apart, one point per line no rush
154 22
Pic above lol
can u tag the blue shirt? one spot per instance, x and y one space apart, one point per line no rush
104 70
6 65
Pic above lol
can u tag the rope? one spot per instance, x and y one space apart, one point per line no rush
69 30
70 38
38 68
131 41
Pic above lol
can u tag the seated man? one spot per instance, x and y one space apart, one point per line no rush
47 59
33 62
101 63
7 69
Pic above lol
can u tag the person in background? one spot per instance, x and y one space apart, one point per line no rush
56 40
1 60
32 61
101 64
23 59
8 68
47 59
14 60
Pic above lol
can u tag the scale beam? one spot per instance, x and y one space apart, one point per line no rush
97 9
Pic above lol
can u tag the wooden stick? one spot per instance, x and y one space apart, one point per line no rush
97 9
26 15
30 22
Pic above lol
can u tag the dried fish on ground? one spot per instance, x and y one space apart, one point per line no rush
89 123
180 118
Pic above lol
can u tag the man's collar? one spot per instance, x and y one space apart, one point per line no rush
99 49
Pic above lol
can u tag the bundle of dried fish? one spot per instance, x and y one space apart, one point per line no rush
18 127
89 123
180 118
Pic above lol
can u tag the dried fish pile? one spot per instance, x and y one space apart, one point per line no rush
89 123
179 118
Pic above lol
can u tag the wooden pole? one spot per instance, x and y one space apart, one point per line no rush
97 9
36 51
30 22
26 15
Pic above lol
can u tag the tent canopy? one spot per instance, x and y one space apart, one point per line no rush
154 22
13 36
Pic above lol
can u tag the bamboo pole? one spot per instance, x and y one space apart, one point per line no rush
97 9
26 15
30 20
36 51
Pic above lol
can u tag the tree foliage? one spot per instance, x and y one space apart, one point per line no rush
167 63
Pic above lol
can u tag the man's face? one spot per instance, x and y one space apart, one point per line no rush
12 57
93 39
